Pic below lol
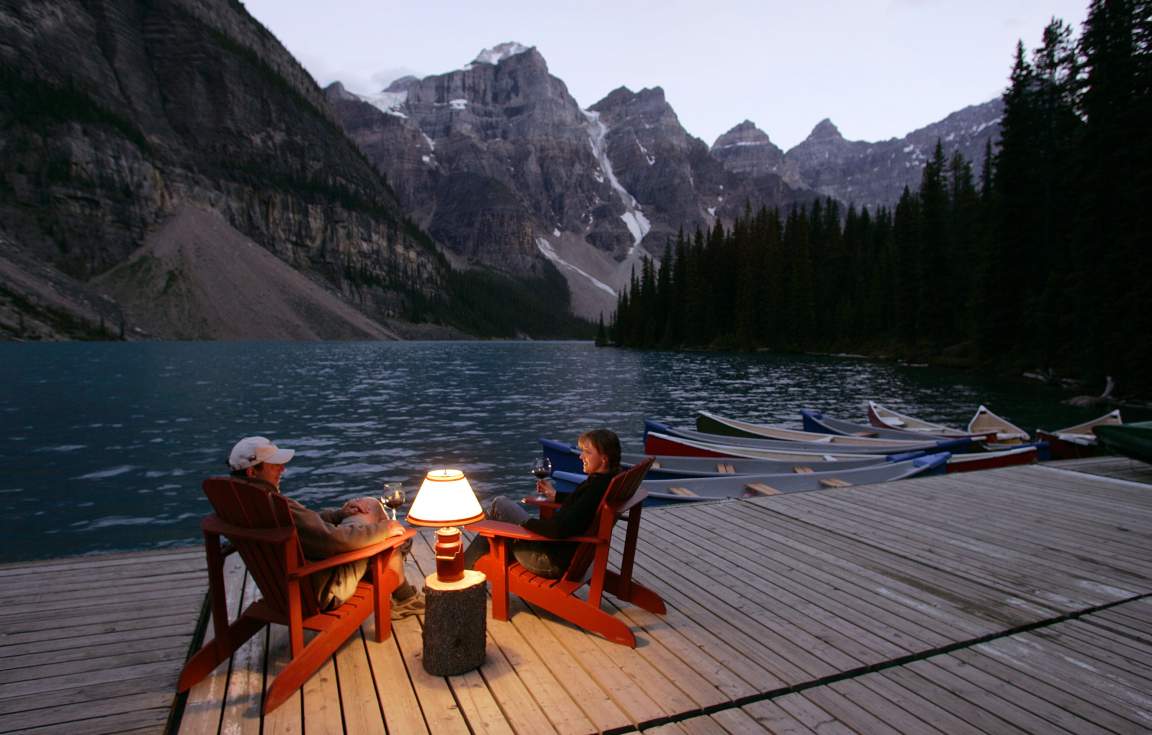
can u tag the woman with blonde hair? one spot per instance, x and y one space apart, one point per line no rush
600 456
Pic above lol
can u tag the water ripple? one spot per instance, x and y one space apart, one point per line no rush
117 437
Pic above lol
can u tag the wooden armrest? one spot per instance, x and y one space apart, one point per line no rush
213 524
365 553
503 529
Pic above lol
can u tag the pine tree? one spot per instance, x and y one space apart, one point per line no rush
601 333
906 262
1114 226
932 317
964 234
1012 247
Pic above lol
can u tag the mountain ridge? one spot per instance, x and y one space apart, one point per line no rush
116 115
619 178
122 117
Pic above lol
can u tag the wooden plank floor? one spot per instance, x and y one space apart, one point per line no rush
95 644
1016 600
1092 674
1119 467
1005 601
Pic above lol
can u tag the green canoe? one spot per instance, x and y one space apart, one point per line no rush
1131 440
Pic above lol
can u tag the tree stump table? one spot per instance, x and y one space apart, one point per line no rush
455 623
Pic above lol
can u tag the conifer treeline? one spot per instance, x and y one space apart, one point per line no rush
1043 258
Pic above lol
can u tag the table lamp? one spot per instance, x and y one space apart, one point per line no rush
445 501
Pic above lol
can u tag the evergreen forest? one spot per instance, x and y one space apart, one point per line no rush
1042 258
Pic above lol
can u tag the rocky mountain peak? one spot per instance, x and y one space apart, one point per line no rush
402 84
652 95
746 149
746 133
502 51
336 90
645 108
874 174
616 98
825 131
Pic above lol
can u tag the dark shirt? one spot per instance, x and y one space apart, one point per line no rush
577 509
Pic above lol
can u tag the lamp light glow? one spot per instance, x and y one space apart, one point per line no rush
446 500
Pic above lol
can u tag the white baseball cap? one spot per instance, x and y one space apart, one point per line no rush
252 450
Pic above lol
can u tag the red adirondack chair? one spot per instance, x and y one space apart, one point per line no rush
589 565
258 524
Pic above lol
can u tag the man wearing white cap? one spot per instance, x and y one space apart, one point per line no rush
259 461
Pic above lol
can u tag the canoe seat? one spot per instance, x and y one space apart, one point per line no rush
726 469
834 482
760 488
681 491
865 434
801 469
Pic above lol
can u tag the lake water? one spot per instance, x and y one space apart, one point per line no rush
103 445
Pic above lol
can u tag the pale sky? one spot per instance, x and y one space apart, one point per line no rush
878 68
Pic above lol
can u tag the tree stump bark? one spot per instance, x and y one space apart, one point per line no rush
455 624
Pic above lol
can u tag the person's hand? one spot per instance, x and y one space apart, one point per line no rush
545 489
366 505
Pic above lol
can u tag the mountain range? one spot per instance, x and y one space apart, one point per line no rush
500 165
130 132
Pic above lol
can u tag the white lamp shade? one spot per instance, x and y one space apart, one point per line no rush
445 499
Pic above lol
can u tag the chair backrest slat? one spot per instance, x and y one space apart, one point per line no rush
617 498
250 506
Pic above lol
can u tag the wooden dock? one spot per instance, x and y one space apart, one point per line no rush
1015 600
93 644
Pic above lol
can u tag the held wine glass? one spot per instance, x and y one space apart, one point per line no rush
542 469
393 496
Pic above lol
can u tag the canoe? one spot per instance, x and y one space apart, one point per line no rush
1131 440
885 418
817 422
716 425
826 442
986 422
656 443
973 461
1078 441
566 457
695 489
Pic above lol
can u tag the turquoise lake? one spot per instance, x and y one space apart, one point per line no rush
103 445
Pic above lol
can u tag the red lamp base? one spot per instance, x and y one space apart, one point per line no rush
449 554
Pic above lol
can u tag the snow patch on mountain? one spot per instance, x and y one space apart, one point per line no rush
498 53
550 253
390 103
633 217
637 224
644 151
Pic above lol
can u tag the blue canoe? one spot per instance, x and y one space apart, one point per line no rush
827 444
566 458
817 422
696 489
